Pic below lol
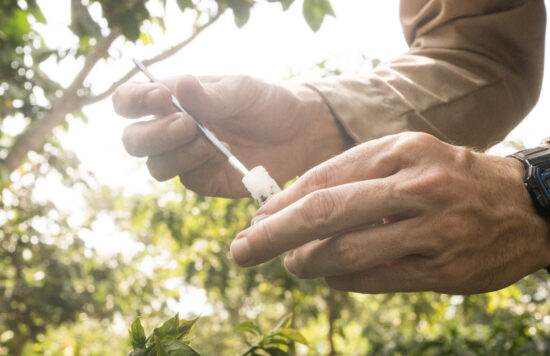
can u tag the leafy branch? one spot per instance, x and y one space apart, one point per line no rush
170 339
279 341
38 132
35 136
160 57
173 338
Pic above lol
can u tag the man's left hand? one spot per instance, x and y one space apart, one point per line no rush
404 213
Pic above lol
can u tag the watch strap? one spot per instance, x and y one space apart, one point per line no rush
532 158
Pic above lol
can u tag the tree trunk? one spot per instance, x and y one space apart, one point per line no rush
333 311
39 131
18 344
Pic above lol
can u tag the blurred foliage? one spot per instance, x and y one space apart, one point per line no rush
62 297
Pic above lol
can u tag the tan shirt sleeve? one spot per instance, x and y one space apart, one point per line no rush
473 72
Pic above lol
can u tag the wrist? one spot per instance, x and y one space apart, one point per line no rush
325 137
540 220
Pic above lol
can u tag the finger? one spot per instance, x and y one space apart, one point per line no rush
373 159
215 97
181 160
153 137
403 275
205 100
359 250
133 100
321 214
367 161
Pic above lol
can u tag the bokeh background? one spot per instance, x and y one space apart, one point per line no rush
88 241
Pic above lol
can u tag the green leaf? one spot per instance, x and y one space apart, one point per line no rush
16 25
178 348
315 12
248 327
145 38
84 43
275 351
284 322
140 352
184 4
37 13
137 334
285 3
4 177
185 327
294 335
241 10
159 347
130 28
170 329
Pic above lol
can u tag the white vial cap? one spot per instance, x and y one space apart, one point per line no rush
260 184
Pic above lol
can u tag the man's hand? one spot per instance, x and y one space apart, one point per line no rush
287 129
404 213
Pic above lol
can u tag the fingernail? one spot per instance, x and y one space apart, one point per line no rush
153 97
258 218
240 250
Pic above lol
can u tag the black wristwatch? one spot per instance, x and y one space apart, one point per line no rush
537 177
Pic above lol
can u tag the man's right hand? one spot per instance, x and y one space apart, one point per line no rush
286 128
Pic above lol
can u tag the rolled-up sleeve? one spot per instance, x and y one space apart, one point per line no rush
473 72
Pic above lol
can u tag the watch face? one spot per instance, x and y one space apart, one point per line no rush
545 177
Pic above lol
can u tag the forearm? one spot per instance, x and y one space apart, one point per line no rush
473 72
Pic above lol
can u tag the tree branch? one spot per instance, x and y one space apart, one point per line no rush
162 56
35 136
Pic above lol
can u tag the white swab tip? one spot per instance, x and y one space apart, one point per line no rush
260 184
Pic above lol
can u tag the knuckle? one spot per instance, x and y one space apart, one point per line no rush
302 263
120 101
432 183
408 142
346 255
124 99
267 241
437 180
128 140
319 209
300 270
245 79
187 85
320 176
155 167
